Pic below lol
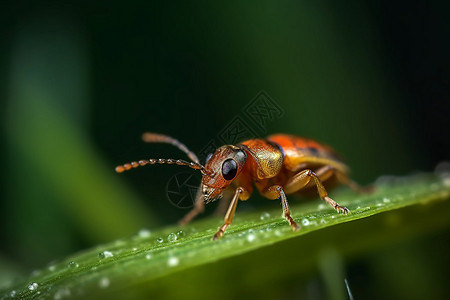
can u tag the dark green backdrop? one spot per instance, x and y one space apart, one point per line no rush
81 81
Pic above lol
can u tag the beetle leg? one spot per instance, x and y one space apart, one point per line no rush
224 203
276 191
301 179
353 185
327 171
199 207
230 212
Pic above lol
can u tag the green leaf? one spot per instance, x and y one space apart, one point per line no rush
257 249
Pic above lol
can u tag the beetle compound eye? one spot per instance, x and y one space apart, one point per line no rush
229 169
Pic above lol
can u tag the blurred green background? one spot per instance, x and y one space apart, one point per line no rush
80 81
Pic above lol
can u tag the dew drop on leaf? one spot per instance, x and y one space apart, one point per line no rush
73 265
264 216
104 282
172 237
144 233
33 286
251 237
173 261
105 254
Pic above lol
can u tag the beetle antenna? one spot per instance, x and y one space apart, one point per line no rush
150 137
170 161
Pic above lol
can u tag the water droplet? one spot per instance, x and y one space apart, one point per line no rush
172 237
52 268
104 282
148 256
264 216
144 233
33 286
105 254
181 233
134 249
321 206
277 232
13 293
305 222
323 221
73 265
386 200
160 240
251 237
173 261
379 204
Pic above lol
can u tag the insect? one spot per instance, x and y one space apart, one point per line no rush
278 165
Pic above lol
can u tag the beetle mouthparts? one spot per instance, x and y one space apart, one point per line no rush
207 197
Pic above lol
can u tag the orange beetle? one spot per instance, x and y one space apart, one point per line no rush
278 165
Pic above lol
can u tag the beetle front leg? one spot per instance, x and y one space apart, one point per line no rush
240 192
223 204
199 207
276 191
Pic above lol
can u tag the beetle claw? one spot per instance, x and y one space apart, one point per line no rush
218 235
342 209
295 227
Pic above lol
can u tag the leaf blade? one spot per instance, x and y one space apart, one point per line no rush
144 258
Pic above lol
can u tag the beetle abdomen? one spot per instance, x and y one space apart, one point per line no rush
302 153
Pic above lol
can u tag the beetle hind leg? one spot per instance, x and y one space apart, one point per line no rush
301 179
342 178
327 171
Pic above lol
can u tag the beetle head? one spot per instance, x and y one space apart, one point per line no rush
222 167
